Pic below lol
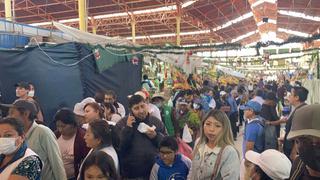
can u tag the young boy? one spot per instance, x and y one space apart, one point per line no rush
170 165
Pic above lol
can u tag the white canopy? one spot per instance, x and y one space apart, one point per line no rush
230 72
85 37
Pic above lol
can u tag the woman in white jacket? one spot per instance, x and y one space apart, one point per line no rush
214 156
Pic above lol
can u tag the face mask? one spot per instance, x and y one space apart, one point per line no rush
310 155
31 93
7 145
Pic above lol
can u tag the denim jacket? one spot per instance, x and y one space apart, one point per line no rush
204 161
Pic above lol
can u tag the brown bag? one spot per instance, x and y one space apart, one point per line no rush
217 163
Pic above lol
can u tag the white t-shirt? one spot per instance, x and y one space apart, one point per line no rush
212 104
112 152
121 110
66 149
154 111
115 118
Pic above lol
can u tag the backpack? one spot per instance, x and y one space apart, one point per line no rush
269 134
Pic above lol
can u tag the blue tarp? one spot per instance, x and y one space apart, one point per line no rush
60 85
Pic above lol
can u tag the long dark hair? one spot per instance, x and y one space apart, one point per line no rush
66 116
105 132
103 161
101 130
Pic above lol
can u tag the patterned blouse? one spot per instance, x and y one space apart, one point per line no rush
30 167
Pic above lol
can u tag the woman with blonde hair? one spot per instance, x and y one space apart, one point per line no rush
215 156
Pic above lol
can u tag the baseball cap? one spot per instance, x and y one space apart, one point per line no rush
255 106
272 162
306 121
25 104
23 84
158 95
78 107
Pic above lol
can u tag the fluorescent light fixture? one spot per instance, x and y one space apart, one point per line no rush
297 33
110 15
160 9
299 15
204 44
153 36
194 32
244 36
272 21
170 34
41 24
188 3
234 21
69 20
257 3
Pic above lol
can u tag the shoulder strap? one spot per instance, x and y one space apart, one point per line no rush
217 163
259 121
298 170
5 174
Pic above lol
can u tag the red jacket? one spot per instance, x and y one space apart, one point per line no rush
80 149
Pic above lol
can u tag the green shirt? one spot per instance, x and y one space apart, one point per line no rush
42 141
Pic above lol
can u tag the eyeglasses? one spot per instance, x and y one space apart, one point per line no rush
166 153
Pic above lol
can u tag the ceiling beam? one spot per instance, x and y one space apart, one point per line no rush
265 10
40 12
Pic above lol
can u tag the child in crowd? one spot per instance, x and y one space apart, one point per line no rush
98 165
214 155
170 165
270 164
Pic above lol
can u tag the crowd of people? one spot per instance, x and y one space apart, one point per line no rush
169 135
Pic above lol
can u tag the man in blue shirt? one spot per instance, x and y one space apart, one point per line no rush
253 138
253 133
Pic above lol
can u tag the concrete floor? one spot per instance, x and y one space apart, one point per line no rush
238 143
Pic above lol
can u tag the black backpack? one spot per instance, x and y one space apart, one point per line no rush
270 139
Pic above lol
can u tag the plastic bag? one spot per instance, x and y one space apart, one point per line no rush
184 148
186 136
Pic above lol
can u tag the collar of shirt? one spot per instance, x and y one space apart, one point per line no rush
33 126
205 150
254 119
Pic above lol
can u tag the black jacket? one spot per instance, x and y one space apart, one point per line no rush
137 150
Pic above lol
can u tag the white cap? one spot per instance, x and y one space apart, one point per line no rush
78 108
274 163
222 93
